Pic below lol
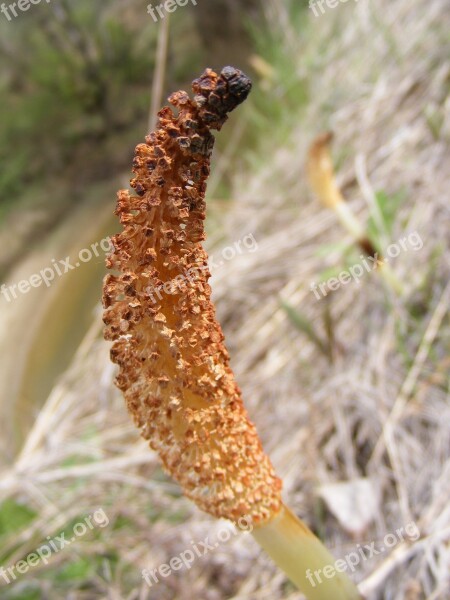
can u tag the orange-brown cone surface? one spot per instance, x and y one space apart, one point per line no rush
174 367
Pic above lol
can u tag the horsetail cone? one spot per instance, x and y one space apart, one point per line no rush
173 366
174 369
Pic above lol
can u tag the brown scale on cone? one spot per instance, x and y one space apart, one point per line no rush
173 366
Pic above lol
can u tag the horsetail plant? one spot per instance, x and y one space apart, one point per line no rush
173 366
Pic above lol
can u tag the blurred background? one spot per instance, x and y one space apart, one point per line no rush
350 392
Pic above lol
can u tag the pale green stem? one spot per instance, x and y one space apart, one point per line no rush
304 559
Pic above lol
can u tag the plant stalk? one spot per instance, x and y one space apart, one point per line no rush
304 559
